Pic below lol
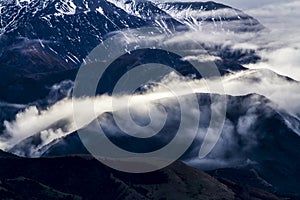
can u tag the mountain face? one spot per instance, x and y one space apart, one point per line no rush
50 37
44 42
56 27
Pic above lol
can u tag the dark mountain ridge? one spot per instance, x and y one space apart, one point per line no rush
80 177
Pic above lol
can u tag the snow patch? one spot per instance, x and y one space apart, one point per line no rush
66 7
22 2
100 10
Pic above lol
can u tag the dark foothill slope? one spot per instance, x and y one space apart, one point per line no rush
86 178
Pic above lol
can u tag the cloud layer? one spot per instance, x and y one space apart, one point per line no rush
57 120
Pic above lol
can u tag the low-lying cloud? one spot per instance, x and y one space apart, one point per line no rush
57 120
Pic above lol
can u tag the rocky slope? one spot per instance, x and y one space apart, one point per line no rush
85 178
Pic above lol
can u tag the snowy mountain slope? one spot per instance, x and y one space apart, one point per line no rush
199 15
61 27
49 39
194 14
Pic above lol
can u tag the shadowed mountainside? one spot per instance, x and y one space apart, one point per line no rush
80 177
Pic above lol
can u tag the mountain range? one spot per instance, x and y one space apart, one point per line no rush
44 43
